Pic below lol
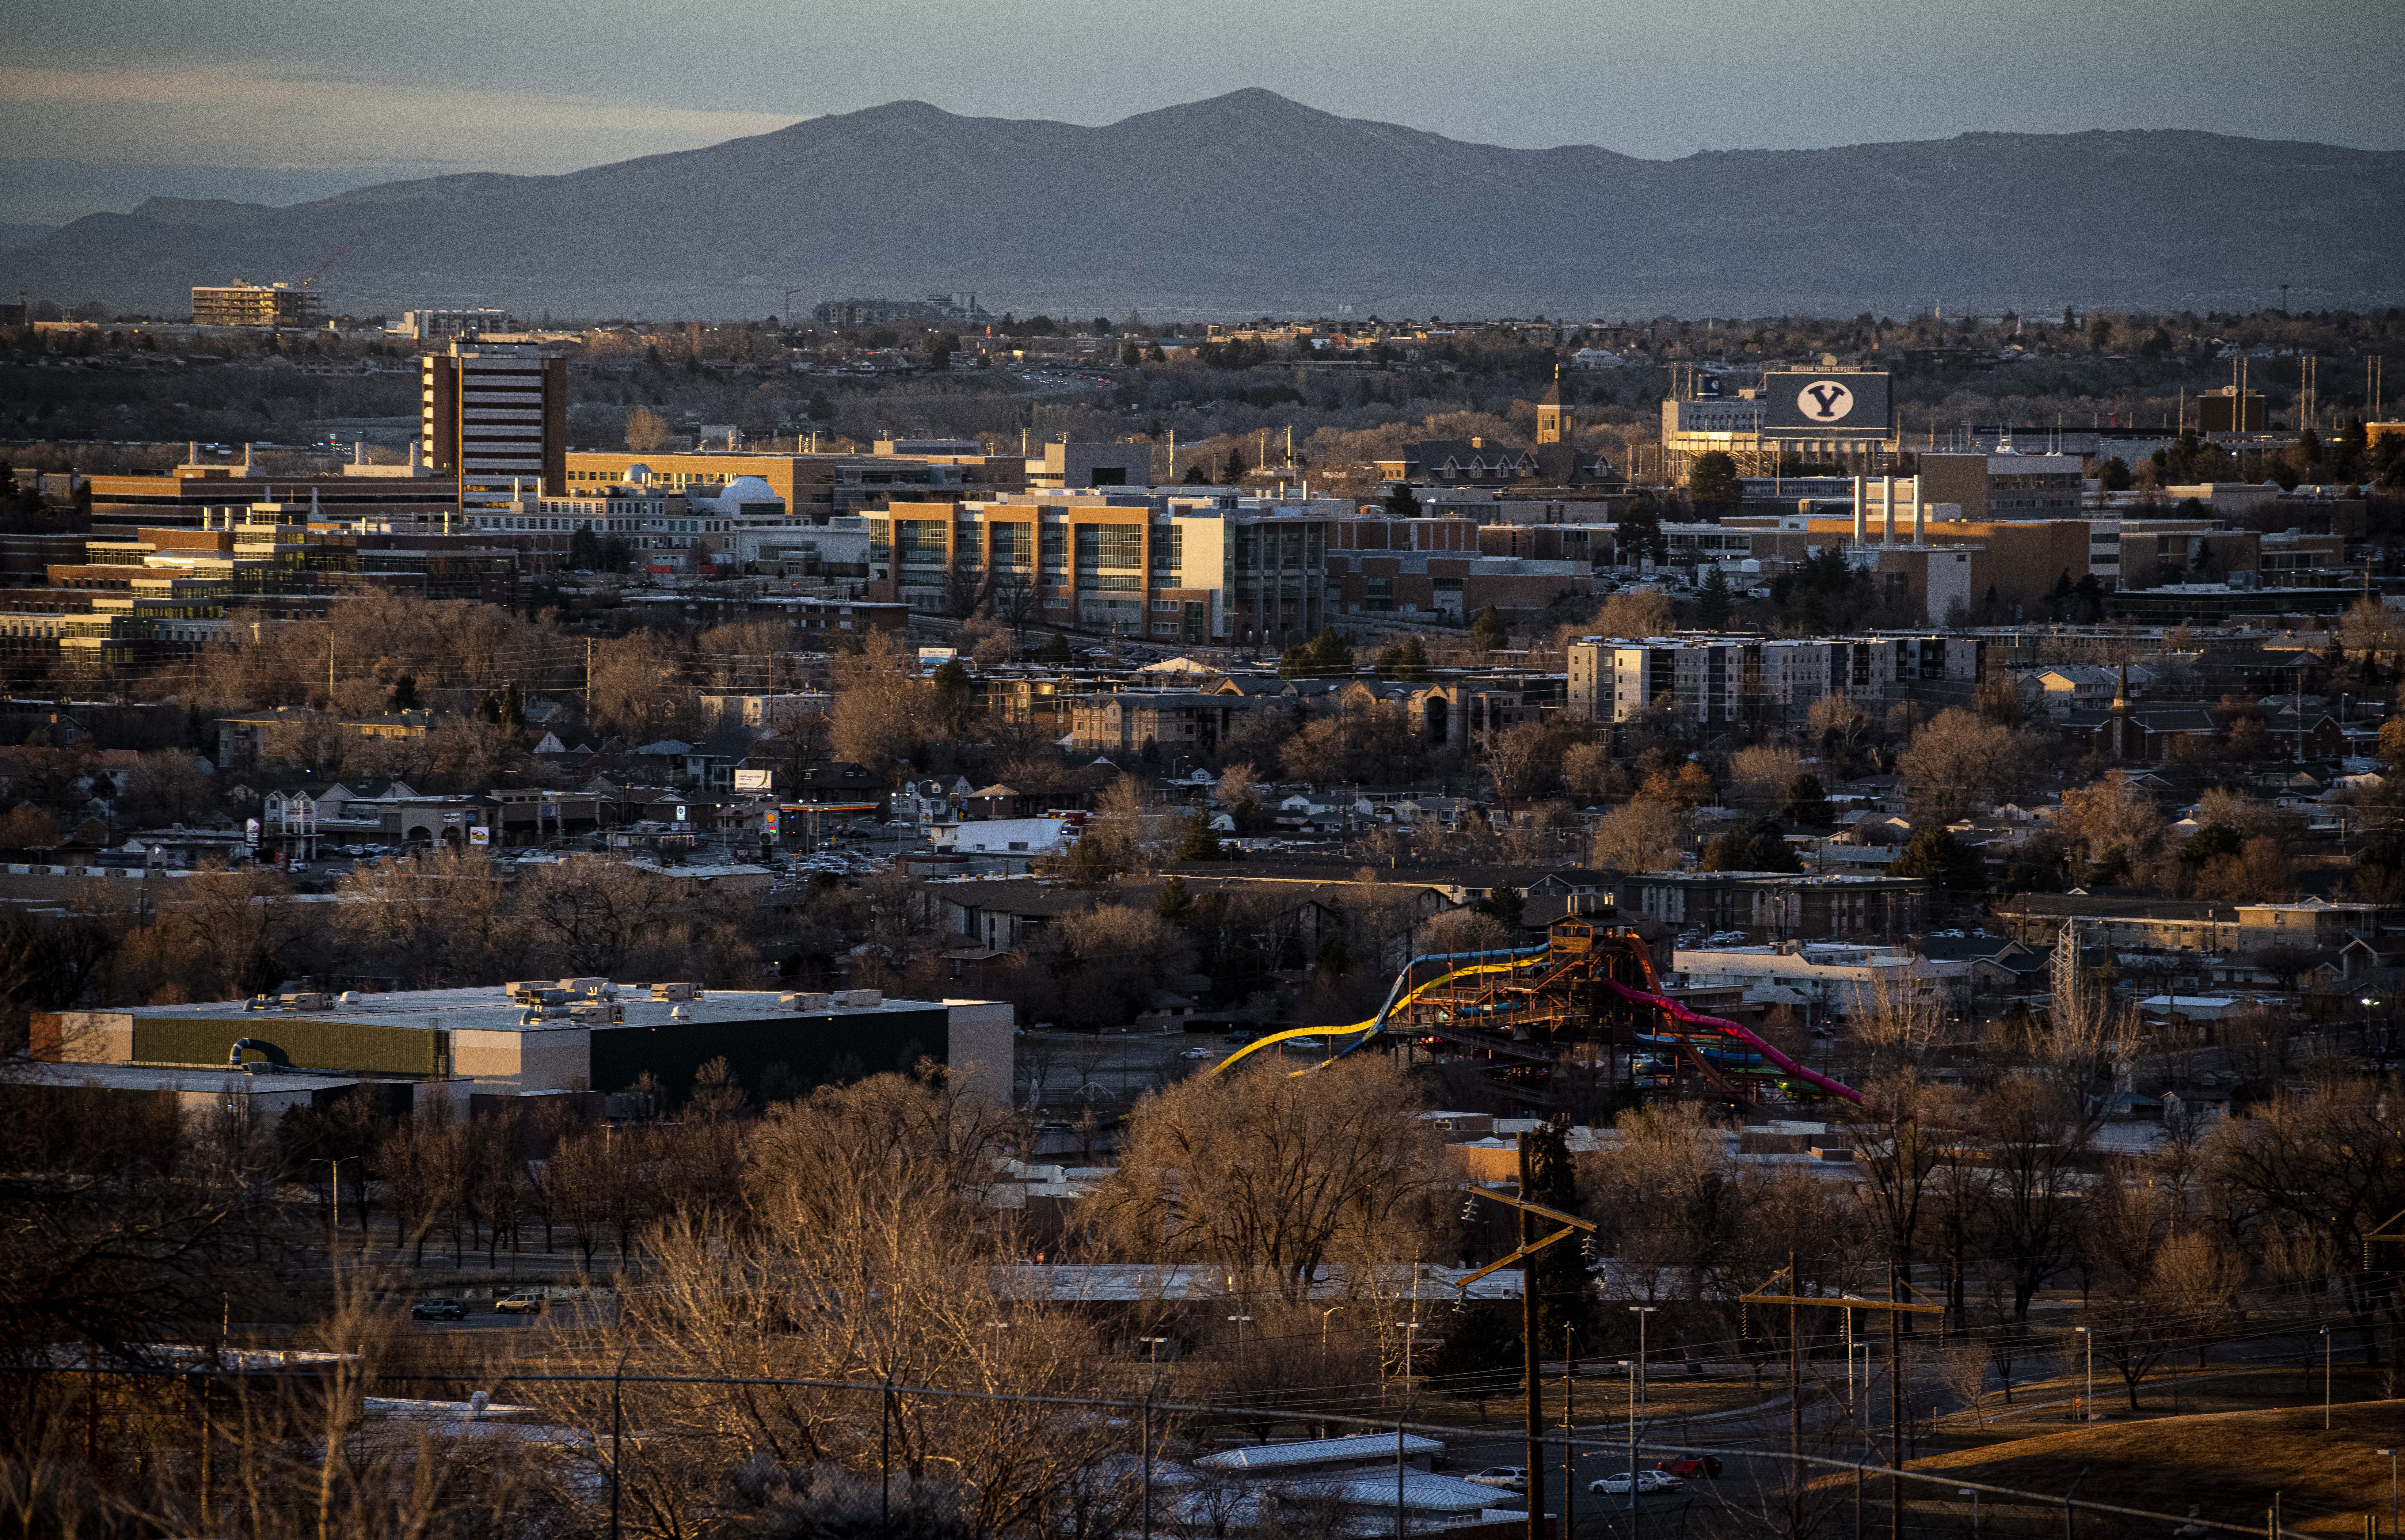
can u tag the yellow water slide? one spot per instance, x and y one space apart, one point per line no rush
1398 999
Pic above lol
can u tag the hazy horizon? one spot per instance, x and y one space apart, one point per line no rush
276 96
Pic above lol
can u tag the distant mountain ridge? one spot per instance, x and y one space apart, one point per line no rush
1250 201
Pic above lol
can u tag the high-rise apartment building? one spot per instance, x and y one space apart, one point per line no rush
496 415
246 303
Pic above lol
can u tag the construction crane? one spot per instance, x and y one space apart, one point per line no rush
330 260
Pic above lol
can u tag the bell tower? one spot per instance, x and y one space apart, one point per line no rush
1553 418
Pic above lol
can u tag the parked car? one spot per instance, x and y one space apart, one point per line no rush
524 1302
438 1308
1617 1486
1196 1053
1690 1466
1508 1478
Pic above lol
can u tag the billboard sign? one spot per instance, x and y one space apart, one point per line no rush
754 780
1799 404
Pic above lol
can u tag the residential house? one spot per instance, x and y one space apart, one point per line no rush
1003 915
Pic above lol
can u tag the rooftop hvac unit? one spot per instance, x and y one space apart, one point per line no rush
802 1001
597 1013
308 1001
863 997
524 989
676 991
584 988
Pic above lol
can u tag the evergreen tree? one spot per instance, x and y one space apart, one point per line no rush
1401 503
1756 849
1195 477
1715 600
1713 480
1638 534
1324 657
1488 631
1949 864
1506 904
1560 1273
1200 842
1237 468
1807 803
1057 649
1175 903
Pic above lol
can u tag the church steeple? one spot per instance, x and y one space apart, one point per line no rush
1553 418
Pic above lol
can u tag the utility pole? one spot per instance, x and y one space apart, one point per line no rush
1569 1426
1531 1243
1894 1411
1536 1408
1896 1307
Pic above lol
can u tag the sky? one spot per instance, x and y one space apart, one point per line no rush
293 90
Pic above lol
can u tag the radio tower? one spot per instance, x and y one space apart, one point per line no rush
2065 976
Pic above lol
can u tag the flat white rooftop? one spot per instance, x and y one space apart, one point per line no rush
488 1008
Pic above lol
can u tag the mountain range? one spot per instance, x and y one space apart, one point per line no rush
1250 202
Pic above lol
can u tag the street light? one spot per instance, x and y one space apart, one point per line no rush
1410 1335
335 1178
2087 1403
2328 1342
2391 1492
1640 1312
1972 1493
1323 1327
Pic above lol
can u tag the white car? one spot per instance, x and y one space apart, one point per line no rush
1196 1053
1617 1486
1508 1478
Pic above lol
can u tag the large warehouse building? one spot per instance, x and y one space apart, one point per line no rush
522 1040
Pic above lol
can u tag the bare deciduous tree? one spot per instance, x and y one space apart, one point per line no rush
1268 1178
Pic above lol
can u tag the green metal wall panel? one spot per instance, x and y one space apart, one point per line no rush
309 1043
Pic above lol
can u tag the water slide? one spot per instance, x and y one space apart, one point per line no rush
1397 998
1473 963
1716 1023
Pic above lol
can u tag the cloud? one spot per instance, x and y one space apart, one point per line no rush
236 114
